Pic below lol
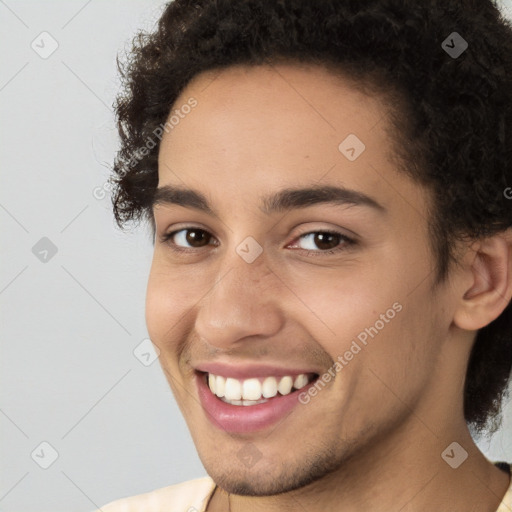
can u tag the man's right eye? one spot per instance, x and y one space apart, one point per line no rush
188 235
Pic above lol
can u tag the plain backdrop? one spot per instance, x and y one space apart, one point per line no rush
86 415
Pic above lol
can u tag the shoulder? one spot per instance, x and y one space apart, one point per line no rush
506 503
189 496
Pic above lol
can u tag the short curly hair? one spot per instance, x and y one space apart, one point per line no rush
451 114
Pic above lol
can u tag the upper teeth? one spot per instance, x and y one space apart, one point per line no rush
254 389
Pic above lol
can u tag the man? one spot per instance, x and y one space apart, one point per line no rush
330 293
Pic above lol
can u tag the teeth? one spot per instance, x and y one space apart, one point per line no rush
211 383
233 389
253 391
269 388
300 381
220 386
244 402
285 385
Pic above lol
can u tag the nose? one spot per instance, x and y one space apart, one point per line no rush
243 302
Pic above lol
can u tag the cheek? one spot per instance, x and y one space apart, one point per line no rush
371 319
339 305
167 301
399 357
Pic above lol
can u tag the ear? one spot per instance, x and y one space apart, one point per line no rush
489 272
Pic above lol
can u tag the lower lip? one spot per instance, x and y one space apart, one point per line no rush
242 418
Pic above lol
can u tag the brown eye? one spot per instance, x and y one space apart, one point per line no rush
196 237
326 241
189 238
323 241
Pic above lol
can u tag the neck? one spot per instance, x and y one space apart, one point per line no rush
396 475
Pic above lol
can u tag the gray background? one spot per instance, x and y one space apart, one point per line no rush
74 368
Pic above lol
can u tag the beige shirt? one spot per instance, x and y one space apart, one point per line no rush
189 496
193 496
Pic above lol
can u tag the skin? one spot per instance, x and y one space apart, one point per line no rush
372 438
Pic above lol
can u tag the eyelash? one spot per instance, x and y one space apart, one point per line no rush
166 238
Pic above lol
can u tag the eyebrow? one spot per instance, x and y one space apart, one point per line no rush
283 200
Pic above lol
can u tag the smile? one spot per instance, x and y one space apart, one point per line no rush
246 400
255 391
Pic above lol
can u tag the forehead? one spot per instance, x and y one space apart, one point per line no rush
275 105
261 128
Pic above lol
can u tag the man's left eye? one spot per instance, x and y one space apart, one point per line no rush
329 241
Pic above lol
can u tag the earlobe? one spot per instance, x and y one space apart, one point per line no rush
491 283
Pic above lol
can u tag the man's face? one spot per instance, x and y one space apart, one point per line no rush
246 300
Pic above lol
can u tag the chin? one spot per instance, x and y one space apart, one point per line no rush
254 486
270 479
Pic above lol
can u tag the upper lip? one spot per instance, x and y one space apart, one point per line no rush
246 371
